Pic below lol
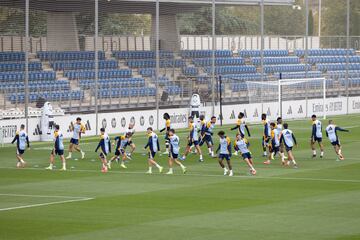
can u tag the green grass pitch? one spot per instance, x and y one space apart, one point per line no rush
320 200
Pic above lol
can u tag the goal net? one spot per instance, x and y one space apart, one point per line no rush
290 98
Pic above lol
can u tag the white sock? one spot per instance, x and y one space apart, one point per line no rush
184 157
170 170
182 166
252 168
22 161
339 151
231 171
314 152
210 150
64 165
282 156
70 154
150 169
322 153
51 165
294 162
157 165
201 157
265 153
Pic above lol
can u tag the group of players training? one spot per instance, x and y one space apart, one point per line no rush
277 139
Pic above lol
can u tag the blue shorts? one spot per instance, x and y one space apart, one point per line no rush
208 139
224 156
316 139
336 143
19 151
152 155
275 149
74 141
119 152
288 148
246 155
57 152
195 142
173 155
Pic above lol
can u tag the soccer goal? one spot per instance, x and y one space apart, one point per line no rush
289 91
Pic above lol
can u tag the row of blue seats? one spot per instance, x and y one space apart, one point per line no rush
352 82
276 60
102 74
113 83
201 62
141 54
333 59
232 69
40 86
287 68
19 66
190 71
12 56
126 92
33 76
173 90
294 75
162 80
324 52
74 65
342 73
205 53
238 87
243 77
69 55
266 53
147 72
48 96
337 66
151 63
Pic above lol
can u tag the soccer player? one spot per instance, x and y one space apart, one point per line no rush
316 136
121 143
58 149
275 143
266 135
241 145
78 128
154 147
22 141
193 139
331 133
167 128
130 132
207 131
279 127
224 151
289 140
241 126
174 152
105 147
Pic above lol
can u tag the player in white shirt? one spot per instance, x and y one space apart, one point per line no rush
224 151
174 152
193 139
105 148
316 136
130 132
22 141
78 128
287 137
274 143
331 133
279 127
153 147
241 145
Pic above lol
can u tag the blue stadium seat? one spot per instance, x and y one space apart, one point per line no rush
267 53
69 55
103 74
12 56
205 53
276 60
19 66
287 68
141 54
77 65
201 62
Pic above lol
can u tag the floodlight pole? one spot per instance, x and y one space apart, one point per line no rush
279 97
96 65
306 54
27 65
262 51
324 98
347 53
157 40
319 20
213 59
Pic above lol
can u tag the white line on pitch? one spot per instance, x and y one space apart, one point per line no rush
213 175
45 204
39 196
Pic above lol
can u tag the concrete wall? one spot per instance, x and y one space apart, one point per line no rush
62 33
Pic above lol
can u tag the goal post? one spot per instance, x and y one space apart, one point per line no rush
288 90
